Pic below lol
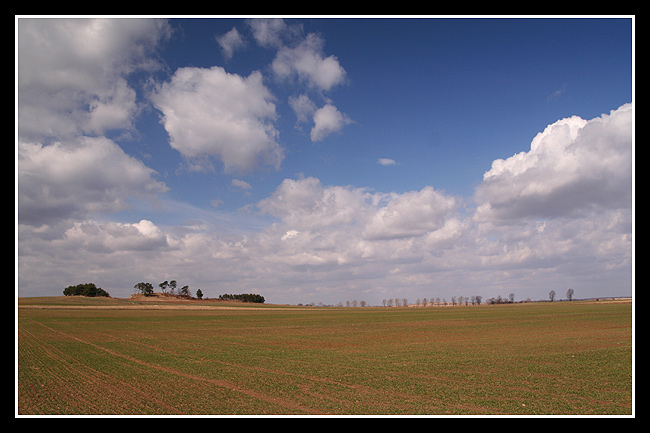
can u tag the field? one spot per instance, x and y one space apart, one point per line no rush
109 356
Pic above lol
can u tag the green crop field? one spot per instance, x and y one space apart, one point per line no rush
108 356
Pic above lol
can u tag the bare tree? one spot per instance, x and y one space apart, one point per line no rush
569 294
551 295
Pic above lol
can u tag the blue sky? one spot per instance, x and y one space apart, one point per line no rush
326 159
429 93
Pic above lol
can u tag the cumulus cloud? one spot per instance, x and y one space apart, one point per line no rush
302 60
386 161
572 167
111 237
75 180
271 32
72 89
305 204
72 73
308 63
411 214
230 42
209 112
303 107
327 120
336 243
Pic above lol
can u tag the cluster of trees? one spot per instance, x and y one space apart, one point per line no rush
500 300
147 289
244 297
183 291
88 289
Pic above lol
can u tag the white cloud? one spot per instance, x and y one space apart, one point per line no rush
72 82
241 184
290 234
71 73
327 120
307 62
573 166
231 42
210 112
337 243
303 59
305 204
270 32
411 214
303 108
77 179
386 161
556 94
112 237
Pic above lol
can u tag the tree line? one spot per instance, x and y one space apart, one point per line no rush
433 302
244 297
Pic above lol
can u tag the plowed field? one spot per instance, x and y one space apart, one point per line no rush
538 358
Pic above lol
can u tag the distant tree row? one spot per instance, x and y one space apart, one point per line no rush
353 303
88 289
244 297
500 300
397 302
433 302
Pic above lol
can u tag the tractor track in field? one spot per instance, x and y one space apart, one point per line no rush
305 388
217 382
91 375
